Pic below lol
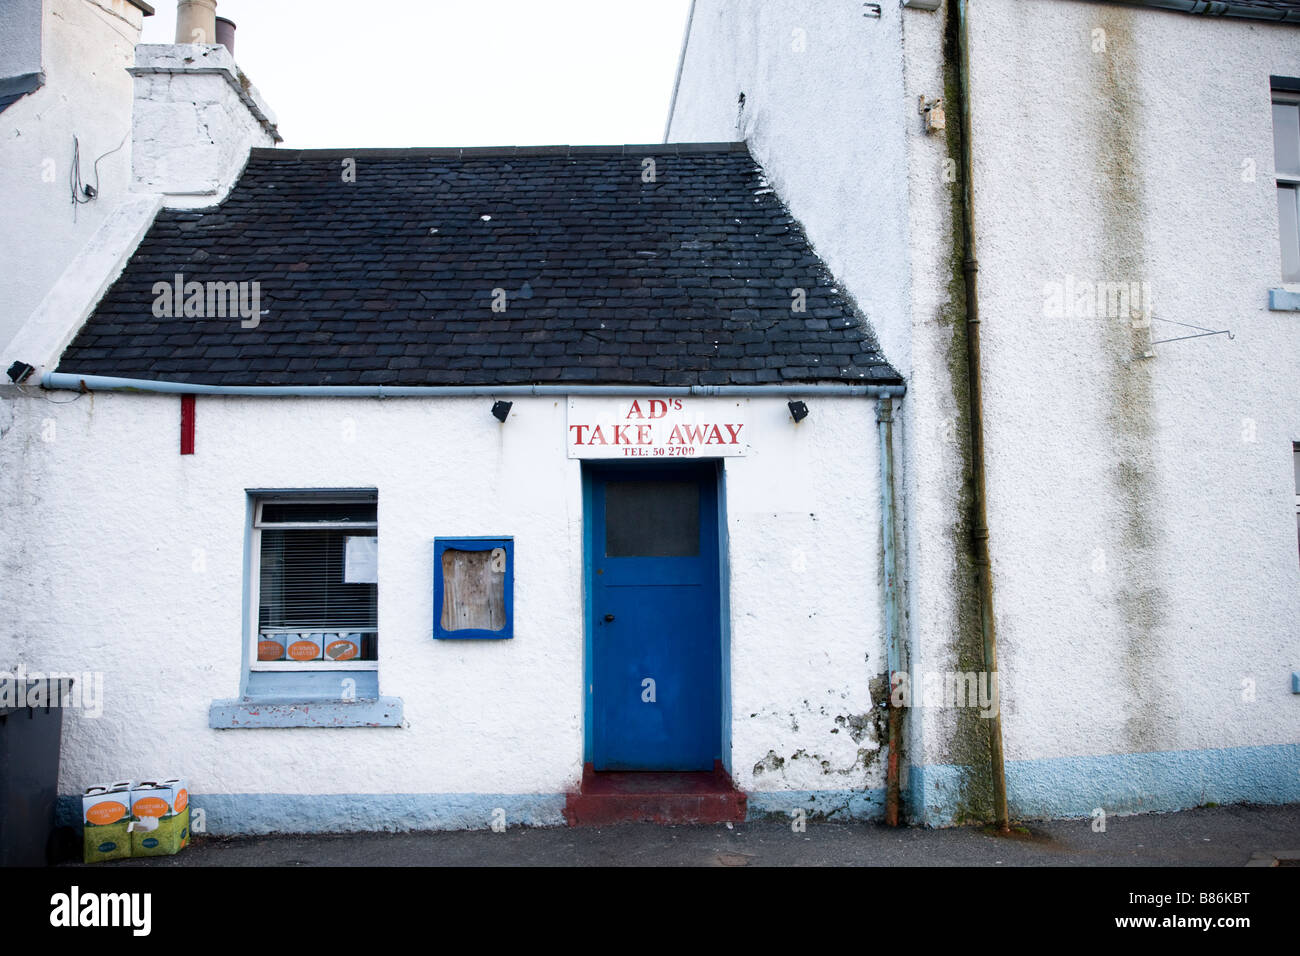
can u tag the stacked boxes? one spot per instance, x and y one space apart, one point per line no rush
151 818
106 816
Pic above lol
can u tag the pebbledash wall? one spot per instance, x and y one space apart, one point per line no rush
127 558
1141 508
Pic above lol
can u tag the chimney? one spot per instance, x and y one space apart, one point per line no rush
196 21
196 115
226 34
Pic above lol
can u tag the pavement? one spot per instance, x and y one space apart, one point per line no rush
1234 836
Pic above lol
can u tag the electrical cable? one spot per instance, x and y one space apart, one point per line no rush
74 176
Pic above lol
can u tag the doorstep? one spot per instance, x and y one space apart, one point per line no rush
609 797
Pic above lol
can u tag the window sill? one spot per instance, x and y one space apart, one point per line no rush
1284 300
248 713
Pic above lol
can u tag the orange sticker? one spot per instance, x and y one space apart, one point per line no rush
182 800
341 650
269 650
304 650
102 814
149 807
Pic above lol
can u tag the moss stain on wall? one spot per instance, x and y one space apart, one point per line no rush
1129 413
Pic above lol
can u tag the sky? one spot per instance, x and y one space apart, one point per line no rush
455 72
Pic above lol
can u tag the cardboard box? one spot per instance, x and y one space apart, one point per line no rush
180 806
160 818
342 647
106 818
270 646
304 647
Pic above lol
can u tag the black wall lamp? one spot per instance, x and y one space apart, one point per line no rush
798 411
19 371
501 411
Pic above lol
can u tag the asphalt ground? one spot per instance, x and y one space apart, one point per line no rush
1206 837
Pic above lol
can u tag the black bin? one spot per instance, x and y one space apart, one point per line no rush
29 770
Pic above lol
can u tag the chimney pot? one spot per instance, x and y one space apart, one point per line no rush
196 21
226 34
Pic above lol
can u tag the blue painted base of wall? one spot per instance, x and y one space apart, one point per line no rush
1072 787
1057 788
251 814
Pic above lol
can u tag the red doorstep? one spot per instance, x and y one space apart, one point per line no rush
612 797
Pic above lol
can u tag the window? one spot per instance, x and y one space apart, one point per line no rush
1286 159
1295 460
316 583
473 588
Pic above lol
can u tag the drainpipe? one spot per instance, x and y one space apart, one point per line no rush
980 521
885 426
1226 8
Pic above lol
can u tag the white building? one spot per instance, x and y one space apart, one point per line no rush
1140 490
304 461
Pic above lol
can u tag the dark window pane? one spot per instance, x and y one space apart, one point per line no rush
652 519
296 513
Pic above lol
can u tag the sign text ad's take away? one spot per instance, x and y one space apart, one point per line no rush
650 428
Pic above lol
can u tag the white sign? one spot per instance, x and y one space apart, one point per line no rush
657 428
361 560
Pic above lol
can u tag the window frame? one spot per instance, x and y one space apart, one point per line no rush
441 545
1295 453
319 497
1284 94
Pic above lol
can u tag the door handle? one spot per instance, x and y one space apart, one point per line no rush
608 618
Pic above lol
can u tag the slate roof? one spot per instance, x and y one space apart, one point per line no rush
683 280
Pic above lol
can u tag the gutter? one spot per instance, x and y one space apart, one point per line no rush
106 383
1219 8
979 516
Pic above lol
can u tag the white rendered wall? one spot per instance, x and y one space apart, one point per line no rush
125 557
87 46
1121 165
196 117
1141 511
840 138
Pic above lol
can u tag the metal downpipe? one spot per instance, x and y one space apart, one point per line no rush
980 524
893 771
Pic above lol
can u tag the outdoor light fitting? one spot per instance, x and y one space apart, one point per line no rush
19 371
501 410
798 411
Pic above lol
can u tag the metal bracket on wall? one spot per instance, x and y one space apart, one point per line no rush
873 10
1201 332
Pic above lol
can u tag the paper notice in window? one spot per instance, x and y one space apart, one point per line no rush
361 560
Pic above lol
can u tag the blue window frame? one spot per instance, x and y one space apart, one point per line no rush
473 588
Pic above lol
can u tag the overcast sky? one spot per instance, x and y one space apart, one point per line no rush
455 72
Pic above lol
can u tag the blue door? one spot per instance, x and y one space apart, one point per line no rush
653 587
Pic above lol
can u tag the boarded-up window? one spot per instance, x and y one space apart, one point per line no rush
473 587
474 595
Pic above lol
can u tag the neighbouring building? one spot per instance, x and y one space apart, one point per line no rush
1134 172
430 488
